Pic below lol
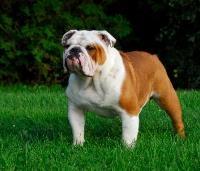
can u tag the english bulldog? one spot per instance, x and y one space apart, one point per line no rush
114 83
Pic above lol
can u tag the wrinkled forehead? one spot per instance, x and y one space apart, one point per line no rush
84 38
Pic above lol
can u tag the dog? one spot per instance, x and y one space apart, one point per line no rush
114 83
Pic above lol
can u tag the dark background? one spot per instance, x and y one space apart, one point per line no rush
30 34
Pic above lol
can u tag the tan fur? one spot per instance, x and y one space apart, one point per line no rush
128 89
97 53
145 75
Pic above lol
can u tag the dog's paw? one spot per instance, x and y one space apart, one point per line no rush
129 143
78 142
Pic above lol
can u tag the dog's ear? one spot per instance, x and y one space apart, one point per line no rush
66 36
107 38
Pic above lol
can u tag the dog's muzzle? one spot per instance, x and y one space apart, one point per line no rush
76 61
73 61
74 52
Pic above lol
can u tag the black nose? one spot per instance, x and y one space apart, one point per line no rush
75 51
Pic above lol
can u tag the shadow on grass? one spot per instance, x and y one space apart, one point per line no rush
28 129
57 128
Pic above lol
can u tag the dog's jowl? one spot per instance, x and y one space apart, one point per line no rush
114 83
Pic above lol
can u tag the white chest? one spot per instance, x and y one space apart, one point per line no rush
94 100
84 97
100 93
101 97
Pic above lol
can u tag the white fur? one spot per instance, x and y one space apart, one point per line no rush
77 121
99 93
130 126
155 95
102 91
112 40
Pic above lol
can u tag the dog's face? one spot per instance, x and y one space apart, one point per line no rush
85 50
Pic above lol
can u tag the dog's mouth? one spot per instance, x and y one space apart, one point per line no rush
73 63
80 65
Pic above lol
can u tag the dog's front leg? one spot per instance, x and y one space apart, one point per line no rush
77 122
130 126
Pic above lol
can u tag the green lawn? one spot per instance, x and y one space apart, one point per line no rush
35 135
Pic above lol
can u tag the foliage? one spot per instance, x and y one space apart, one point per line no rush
180 37
31 32
170 28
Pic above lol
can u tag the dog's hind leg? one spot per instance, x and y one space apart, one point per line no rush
166 97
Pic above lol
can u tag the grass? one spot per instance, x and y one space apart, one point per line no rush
35 135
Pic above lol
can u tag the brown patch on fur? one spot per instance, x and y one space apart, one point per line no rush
97 53
145 74
128 100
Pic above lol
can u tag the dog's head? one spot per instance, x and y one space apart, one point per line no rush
85 50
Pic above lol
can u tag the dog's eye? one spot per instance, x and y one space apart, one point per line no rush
66 46
89 47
